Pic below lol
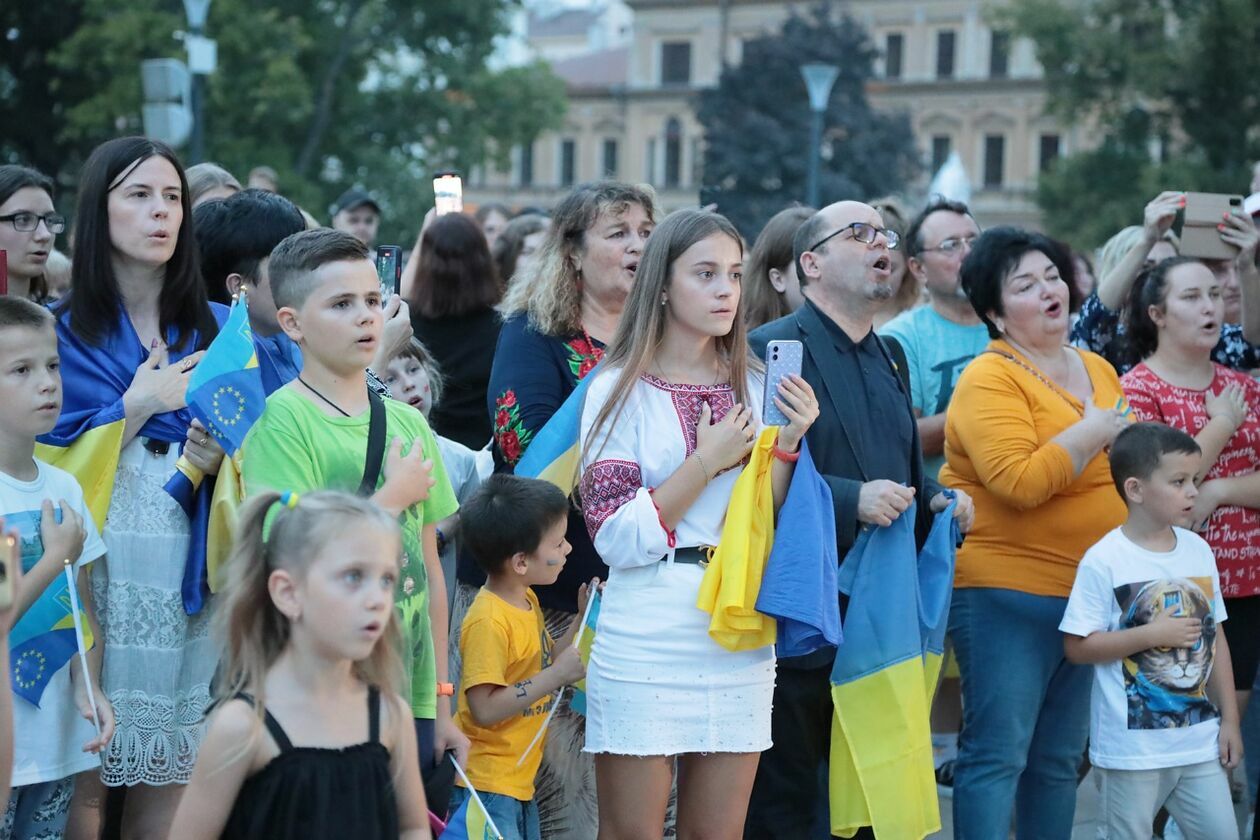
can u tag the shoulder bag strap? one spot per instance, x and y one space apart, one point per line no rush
376 445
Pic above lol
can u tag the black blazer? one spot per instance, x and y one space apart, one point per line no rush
837 458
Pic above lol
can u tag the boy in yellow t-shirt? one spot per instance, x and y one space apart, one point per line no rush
515 529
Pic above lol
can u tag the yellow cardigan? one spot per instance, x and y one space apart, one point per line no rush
1034 520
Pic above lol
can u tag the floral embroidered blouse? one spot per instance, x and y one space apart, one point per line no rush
532 376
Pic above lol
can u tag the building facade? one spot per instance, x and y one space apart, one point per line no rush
968 88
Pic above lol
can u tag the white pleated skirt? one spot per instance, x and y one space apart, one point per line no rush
659 685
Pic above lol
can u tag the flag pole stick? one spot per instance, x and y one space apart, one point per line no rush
472 791
555 704
78 638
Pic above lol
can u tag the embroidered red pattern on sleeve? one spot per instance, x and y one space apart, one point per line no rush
606 486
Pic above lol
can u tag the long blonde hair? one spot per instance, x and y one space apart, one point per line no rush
642 326
550 289
1115 249
273 535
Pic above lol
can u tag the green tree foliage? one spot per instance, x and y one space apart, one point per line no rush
1176 76
379 93
757 123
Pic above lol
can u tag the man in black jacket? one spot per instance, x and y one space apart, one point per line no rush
866 446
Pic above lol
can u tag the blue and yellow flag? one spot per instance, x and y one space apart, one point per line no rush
884 678
469 822
800 584
43 639
555 452
225 392
585 643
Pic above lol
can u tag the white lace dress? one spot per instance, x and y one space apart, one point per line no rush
158 660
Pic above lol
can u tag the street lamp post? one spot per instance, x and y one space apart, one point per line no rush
818 81
201 61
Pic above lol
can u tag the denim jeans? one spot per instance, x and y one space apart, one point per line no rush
1025 716
516 820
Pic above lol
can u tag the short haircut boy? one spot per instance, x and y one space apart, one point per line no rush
20 312
1136 451
237 233
295 260
508 515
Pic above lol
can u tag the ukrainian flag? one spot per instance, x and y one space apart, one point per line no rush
225 392
469 822
555 453
884 678
43 639
584 645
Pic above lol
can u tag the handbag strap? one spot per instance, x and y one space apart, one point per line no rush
376 444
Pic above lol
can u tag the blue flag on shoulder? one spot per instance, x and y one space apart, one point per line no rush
555 452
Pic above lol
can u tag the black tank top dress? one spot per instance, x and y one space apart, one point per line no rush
309 793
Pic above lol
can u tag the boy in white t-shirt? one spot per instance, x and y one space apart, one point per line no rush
1145 611
54 736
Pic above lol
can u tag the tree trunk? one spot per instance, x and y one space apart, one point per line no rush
327 91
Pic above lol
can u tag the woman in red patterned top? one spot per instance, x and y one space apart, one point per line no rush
1174 319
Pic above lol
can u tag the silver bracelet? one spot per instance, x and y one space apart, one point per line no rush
703 468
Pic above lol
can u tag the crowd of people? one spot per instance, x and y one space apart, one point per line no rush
1097 442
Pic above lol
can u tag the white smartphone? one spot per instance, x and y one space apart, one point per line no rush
783 358
448 194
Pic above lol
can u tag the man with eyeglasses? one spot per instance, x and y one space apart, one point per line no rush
942 337
866 446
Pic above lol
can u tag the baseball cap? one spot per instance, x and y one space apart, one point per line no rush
354 198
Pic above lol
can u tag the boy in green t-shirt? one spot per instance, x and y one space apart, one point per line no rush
314 435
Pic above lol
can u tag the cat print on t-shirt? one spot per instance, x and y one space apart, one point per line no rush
1167 687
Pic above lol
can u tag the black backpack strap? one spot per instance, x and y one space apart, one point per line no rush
376 444
374 714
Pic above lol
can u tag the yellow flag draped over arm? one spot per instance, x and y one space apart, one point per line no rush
732 580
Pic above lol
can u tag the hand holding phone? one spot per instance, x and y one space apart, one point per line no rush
389 269
10 571
783 359
1202 218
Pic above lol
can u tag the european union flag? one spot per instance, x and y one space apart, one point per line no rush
225 390
43 640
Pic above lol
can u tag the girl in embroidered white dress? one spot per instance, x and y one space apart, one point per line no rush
667 422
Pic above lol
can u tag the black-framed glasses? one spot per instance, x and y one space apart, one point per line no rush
954 245
27 222
864 233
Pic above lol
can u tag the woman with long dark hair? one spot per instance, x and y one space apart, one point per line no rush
28 226
130 333
452 313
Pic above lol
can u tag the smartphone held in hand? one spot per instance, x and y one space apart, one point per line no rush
448 193
1200 231
389 269
10 556
783 359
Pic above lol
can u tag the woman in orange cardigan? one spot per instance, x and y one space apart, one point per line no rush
1025 436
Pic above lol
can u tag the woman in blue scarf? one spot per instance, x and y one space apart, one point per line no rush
131 331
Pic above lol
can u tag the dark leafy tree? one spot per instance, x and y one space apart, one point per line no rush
757 124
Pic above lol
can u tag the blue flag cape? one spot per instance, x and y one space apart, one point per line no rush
555 453
87 439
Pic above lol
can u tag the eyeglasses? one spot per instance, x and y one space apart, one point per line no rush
27 222
954 245
864 233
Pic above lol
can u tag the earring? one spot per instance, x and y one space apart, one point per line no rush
663 300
